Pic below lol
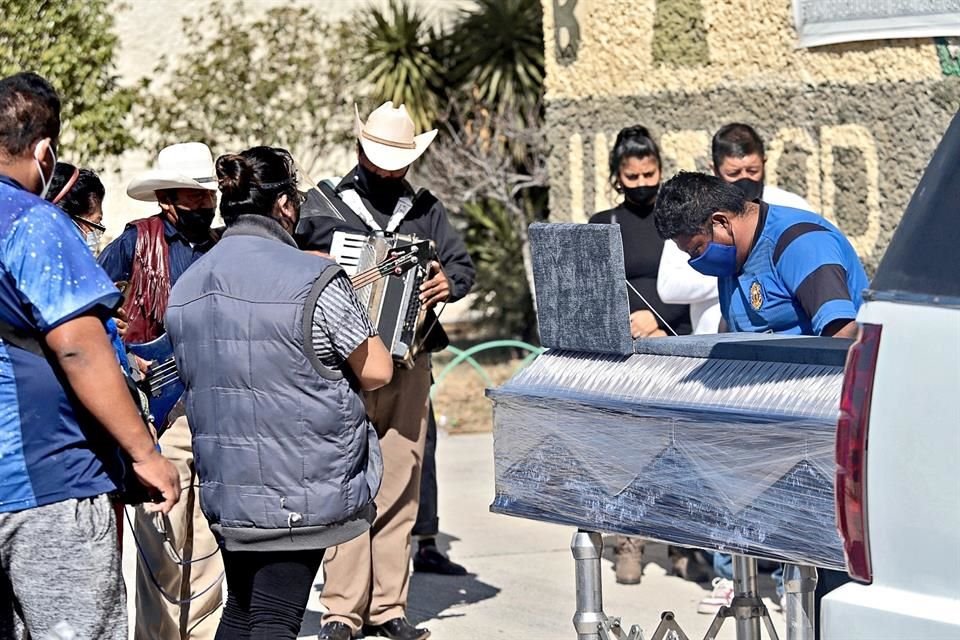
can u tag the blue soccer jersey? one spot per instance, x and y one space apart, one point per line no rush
48 451
802 274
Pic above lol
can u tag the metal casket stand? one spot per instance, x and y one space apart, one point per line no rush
747 609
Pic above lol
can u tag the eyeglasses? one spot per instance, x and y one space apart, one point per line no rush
90 223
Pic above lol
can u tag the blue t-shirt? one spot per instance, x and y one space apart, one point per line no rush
48 452
801 275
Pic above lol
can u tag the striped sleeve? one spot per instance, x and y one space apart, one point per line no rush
340 322
811 263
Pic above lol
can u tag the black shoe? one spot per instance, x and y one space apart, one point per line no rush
690 564
335 631
429 560
398 629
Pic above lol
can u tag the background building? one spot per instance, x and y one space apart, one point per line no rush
849 126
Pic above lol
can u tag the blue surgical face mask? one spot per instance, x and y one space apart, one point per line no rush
92 238
718 260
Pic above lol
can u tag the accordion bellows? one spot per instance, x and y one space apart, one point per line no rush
722 442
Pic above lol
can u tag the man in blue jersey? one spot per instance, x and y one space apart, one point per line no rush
64 405
779 270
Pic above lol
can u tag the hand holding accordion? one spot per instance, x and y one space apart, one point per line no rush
436 288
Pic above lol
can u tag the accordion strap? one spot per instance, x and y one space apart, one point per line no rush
352 199
332 204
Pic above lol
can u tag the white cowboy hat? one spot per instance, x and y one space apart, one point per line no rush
387 137
188 165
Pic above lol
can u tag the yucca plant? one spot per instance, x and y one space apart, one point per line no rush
497 251
497 50
481 83
398 60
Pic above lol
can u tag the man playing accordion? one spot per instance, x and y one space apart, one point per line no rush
367 578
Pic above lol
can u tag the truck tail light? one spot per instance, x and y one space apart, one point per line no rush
852 427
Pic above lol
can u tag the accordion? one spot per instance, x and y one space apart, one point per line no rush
392 302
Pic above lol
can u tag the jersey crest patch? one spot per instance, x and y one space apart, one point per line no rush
756 295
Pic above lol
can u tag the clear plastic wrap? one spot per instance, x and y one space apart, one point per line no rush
716 453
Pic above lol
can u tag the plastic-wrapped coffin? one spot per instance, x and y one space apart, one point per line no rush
718 442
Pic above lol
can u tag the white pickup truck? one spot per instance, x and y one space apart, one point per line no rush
898 437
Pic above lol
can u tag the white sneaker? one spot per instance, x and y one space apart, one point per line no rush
721 596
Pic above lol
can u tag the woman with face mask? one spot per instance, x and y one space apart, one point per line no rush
635 173
80 193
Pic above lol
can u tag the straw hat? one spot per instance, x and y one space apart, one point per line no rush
388 139
187 165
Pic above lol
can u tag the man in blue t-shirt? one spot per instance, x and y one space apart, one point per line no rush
64 405
779 270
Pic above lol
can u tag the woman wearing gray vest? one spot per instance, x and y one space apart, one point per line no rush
274 349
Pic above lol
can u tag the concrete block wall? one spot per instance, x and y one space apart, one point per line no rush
850 127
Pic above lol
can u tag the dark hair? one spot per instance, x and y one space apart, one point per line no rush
686 202
735 140
251 181
29 112
632 142
82 196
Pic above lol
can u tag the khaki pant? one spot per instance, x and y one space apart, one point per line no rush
367 578
185 534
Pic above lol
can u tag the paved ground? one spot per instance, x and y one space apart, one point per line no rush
522 584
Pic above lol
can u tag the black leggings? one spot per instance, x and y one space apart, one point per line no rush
267 593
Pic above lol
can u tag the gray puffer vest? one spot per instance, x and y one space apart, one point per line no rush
282 444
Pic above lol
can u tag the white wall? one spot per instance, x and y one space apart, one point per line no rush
148 29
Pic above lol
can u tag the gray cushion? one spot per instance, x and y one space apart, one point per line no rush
581 288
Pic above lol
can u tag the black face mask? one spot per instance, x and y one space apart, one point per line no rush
641 196
378 188
752 190
194 224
